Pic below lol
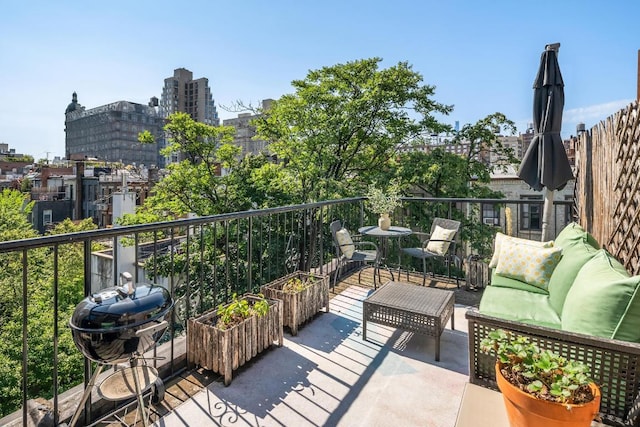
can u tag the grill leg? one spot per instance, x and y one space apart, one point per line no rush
85 396
143 413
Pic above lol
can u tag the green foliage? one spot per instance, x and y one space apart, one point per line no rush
240 309
71 262
40 313
25 185
345 121
542 373
381 200
14 208
21 159
294 285
483 140
195 185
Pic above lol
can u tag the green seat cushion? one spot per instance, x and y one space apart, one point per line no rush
518 305
575 254
508 282
603 300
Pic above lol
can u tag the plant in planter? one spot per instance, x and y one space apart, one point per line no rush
541 388
295 284
225 338
239 310
302 294
383 202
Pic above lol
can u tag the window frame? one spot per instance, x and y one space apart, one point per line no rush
529 210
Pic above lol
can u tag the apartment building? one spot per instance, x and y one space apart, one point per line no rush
110 132
246 132
192 96
183 93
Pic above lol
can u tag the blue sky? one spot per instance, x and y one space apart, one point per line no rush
482 56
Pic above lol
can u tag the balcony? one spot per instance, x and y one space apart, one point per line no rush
327 375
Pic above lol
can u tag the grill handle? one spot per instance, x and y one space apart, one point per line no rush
152 329
128 279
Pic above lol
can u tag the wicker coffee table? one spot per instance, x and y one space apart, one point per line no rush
410 307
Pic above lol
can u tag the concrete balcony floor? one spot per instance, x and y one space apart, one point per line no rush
328 375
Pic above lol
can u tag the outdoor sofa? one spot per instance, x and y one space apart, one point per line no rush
580 302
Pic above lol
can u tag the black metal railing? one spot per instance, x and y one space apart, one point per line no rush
203 261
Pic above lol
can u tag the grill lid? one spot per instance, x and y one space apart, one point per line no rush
117 308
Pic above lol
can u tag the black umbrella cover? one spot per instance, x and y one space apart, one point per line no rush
545 164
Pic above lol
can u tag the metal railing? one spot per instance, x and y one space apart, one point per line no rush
202 261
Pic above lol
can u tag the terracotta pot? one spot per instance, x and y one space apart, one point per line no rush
524 410
384 222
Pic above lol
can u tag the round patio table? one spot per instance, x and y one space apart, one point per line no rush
384 235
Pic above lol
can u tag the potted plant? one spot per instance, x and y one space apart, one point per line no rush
225 338
383 202
541 388
302 294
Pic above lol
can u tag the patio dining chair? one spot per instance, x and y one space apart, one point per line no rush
350 251
440 243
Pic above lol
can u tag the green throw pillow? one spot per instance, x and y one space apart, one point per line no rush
575 254
530 264
500 238
572 233
603 300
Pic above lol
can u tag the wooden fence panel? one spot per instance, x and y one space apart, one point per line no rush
608 184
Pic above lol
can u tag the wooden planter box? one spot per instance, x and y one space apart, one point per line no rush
224 351
300 306
478 273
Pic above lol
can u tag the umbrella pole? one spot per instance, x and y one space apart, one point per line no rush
546 215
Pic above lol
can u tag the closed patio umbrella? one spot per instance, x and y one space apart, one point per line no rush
545 164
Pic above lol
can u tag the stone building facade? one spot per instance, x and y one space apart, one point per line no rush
110 133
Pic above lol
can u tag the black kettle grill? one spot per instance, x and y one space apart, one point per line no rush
119 324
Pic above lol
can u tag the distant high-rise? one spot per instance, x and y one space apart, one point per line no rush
182 93
110 133
246 132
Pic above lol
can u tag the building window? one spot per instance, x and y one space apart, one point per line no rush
490 214
47 216
531 214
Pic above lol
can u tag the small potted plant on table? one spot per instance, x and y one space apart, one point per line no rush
541 388
303 295
225 338
383 202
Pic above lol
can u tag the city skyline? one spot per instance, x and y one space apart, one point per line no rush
482 58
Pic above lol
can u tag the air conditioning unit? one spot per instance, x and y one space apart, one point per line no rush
489 221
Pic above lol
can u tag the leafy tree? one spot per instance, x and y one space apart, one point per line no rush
343 128
14 225
439 173
483 139
442 174
14 210
40 314
25 185
71 262
195 184
345 121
